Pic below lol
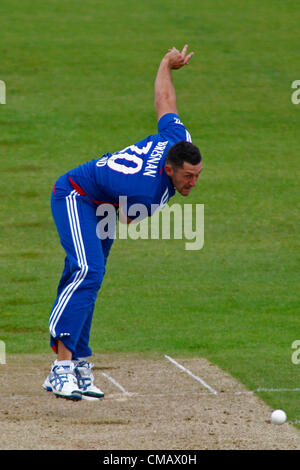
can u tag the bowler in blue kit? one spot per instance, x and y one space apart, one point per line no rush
149 173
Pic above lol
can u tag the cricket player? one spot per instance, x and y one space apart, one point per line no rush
149 173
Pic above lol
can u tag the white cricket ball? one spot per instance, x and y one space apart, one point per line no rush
278 417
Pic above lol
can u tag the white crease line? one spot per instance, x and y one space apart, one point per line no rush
117 384
212 390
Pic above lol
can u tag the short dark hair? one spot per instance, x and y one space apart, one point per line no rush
183 152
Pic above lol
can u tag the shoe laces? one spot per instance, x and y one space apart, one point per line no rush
61 375
84 374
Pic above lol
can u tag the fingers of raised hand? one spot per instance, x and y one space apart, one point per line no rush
184 56
184 50
179 59
188 57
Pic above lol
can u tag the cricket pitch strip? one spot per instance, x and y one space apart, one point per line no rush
152 402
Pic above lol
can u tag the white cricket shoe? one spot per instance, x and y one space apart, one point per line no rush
85 379
62 381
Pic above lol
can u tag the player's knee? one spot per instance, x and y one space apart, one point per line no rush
94 276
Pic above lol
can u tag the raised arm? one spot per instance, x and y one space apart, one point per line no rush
164 91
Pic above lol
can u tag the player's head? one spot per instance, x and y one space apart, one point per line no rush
183 166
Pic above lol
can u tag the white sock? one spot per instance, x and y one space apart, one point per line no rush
79 359
83 359
63 363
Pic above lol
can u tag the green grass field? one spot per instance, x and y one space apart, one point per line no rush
79 78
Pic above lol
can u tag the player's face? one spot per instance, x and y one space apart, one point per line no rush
185 178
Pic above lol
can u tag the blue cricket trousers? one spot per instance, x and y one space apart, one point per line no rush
86 255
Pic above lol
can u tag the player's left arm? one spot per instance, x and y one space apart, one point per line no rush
123 218
164 90
137 207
